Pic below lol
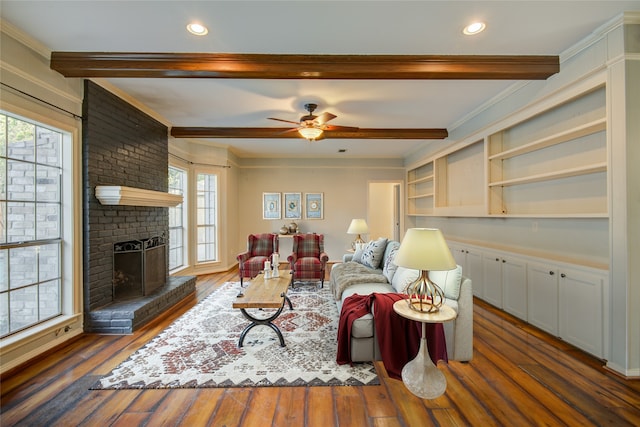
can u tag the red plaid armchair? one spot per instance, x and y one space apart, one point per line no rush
308 259
260 248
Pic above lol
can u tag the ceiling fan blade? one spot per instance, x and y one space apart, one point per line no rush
341 128
324 118
281 120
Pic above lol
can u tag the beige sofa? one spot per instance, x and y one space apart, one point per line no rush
357 277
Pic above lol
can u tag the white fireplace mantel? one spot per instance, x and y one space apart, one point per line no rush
129 196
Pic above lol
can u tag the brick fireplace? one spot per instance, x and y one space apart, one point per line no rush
123 146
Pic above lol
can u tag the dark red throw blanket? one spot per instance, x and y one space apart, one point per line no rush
398 337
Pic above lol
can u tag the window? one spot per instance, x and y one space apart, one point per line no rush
30 223
177 229
207 188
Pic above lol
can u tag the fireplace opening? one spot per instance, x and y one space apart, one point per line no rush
138 267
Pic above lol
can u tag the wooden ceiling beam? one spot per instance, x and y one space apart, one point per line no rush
288 66
261 133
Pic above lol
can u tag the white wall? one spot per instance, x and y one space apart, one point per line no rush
343 182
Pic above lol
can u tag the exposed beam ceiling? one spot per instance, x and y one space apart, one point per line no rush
229 132
422 71
318 67
266 66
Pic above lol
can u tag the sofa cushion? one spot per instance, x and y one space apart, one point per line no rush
389 267
363 327
448 281
403 277
372 253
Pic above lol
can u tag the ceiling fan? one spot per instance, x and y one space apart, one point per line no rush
312 127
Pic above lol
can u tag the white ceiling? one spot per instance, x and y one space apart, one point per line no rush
313 27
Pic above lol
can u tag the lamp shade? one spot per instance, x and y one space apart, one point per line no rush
310 133
358 226
424 249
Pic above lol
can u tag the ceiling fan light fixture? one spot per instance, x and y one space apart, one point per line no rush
474 28
310 133
197 29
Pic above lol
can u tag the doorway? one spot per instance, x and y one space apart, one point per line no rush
384 210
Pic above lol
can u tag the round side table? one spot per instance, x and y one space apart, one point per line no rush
420 375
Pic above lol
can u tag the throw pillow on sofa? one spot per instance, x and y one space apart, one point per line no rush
372 253
357 255
389 267
449 281
403 278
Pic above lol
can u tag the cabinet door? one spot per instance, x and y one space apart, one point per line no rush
474 271
542 284
459 255
492 278
581 308
514 287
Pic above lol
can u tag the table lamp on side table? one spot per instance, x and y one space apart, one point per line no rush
358 226
424 249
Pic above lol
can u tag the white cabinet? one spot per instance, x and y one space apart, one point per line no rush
542 300
492 278
581 309
505 282
471 262
514 286
567 300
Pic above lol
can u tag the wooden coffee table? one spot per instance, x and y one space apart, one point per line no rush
264 293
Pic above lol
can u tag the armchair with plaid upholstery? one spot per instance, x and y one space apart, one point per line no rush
308 259
260 248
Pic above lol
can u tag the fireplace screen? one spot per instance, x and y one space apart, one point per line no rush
139 267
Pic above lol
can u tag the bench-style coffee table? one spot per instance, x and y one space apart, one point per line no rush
264 293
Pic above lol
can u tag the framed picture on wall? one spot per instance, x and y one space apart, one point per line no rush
314 206
292 205
271 206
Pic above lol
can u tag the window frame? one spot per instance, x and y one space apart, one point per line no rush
185 219
30 342
208 171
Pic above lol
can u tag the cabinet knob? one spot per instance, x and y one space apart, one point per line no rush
552 273
497 259
563 275
504 260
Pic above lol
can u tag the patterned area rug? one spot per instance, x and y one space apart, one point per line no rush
200 349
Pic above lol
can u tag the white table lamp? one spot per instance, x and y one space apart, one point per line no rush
358 226
424 249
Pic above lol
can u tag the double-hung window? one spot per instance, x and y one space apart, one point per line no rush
31 210
207 217
177 222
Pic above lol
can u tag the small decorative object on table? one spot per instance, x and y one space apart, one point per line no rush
267 270
276 264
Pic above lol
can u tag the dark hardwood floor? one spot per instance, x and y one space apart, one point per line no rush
519 376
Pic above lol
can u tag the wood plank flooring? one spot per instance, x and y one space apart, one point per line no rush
519 376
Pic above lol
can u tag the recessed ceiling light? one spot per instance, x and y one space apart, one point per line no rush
474 28
197 29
